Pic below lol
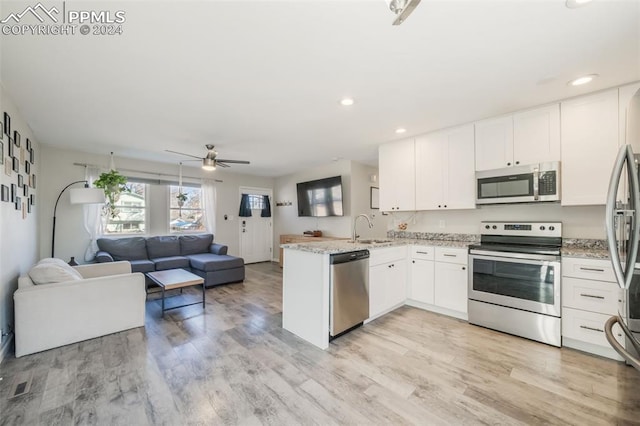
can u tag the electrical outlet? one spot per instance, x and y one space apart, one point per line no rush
441 224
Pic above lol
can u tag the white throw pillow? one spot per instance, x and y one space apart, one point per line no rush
50 271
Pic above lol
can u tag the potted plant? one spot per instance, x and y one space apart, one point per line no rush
182 197
112 183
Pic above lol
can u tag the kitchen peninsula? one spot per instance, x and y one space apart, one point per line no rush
426 273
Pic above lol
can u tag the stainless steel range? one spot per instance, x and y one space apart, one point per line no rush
514 279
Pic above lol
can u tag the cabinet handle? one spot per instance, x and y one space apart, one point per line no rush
422 252
582 268
517 162
591 295
445 206
463 268
591 328
508 164
450 255
413 261
439 206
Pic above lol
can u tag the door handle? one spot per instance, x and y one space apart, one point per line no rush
591 269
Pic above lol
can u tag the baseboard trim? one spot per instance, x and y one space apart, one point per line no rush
5 349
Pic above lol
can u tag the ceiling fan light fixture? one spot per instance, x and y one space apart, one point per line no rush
208 164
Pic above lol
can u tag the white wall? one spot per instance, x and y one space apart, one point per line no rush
577 222
356 183
18 236
71 238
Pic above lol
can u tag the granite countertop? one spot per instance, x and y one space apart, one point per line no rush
343 246
592 249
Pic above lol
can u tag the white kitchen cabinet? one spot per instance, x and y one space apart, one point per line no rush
451 279
444 171
589 147
422 278
387 279
536 135
629 129
494 143
396 169
523 138
590 296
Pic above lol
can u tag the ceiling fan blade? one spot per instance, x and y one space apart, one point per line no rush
234 161
218 163
182 153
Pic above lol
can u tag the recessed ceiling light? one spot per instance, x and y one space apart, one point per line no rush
346 101
582 80
400 130
572 4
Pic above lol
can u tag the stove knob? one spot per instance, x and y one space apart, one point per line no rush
542 228
494 227
487 227
552 228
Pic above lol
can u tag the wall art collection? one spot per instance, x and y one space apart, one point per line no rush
17 158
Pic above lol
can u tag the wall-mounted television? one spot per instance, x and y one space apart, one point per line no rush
320 198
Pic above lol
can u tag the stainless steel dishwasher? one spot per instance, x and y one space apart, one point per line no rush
349 292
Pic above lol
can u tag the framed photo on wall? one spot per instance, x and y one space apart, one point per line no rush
14 192
27 167
16 164
375 198
11 150
20 181
1 153
18 203
16 138
4 193
7 166
25 191
28 144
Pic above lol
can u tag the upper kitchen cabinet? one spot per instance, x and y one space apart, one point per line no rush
396 168
527 137
589 147
444 171
629 118
494 143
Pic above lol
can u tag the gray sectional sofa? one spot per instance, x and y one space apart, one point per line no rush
195 253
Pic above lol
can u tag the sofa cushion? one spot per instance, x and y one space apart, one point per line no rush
133 248
170 262
163 246
194 244
214 262
53 272
142 266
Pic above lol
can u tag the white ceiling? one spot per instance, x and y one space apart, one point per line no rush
262 79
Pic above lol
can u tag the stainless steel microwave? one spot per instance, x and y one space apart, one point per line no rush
520 184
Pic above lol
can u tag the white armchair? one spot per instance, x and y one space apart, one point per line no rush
108 299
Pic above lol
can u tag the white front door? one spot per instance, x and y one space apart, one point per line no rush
256 236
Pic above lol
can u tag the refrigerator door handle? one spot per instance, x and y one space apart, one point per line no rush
608 331
625 155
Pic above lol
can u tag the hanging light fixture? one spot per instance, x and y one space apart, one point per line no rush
402 9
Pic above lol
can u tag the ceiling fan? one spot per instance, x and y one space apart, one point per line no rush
211 160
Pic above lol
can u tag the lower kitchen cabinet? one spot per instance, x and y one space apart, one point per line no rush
387 280
438 280
451 286
421 284
589 298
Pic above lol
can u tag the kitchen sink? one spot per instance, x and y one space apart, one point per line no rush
375 241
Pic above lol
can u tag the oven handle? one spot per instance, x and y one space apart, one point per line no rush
525 256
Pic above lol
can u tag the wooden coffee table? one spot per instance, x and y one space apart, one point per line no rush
172 279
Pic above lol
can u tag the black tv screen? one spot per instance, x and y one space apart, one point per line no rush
322 197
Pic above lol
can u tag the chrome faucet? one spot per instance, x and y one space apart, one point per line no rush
355 221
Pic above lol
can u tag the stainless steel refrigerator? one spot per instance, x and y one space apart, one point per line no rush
623 237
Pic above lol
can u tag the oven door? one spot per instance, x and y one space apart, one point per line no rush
527 282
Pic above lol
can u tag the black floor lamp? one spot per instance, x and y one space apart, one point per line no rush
84 195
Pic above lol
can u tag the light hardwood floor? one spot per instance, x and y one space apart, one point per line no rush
234 364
